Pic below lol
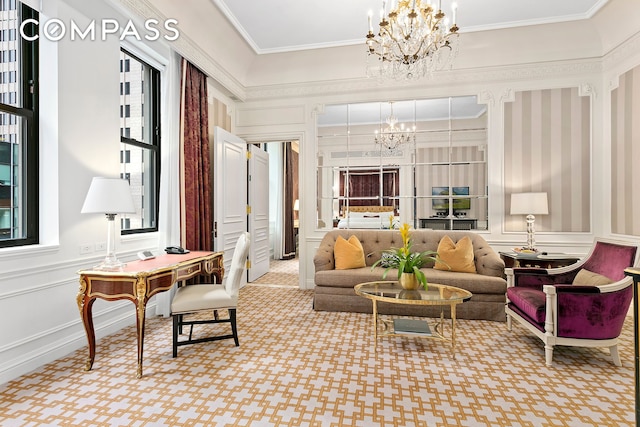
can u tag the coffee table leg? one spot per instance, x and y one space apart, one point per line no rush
453 330
375 325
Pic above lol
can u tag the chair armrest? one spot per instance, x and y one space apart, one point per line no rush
577 289
536 278
585 312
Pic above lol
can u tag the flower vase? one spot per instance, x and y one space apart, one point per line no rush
409 281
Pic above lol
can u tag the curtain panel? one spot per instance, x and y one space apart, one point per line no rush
290 185
196 205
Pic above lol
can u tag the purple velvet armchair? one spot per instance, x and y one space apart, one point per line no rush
583 304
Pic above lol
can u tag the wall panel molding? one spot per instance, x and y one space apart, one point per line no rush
625 154
547 147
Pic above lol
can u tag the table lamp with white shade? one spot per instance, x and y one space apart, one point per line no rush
529 204
109 196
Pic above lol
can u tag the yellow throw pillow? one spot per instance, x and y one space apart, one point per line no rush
458 257
348 253
589 278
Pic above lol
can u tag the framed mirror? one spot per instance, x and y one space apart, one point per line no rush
380 164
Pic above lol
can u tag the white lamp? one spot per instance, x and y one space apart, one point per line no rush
529 204
109 196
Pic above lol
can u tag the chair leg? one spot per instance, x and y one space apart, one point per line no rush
508 322
548 354
176 327
234 329
615 355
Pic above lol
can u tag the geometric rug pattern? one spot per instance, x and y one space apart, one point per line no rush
298 367
282 272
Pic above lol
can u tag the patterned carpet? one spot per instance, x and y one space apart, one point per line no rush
297 367
282 272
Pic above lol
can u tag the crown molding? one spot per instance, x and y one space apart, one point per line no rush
187 48
513 73
622 59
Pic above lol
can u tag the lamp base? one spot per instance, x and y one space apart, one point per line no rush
110 264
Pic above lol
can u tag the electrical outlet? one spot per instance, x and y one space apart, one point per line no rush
101 246
86 248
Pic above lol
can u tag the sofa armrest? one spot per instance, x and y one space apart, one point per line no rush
323 259
488 262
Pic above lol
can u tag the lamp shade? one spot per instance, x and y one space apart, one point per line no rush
529 204
108 196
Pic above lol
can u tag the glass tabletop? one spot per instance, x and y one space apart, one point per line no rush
390 291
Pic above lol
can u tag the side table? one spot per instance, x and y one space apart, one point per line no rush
540 260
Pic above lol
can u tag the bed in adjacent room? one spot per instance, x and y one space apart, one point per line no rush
369 217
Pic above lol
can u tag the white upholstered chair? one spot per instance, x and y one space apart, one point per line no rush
199 298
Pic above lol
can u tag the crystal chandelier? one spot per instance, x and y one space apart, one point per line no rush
414 40
392 137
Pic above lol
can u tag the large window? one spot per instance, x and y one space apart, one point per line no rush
140 140
420 161
18 128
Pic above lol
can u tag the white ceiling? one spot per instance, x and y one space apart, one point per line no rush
271 26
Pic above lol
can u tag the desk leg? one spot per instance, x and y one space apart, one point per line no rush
84 306
141 294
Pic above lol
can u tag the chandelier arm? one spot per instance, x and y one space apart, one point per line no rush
410 44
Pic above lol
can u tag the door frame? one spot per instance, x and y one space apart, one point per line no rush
261 138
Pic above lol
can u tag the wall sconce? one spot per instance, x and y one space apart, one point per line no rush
529 204
109 196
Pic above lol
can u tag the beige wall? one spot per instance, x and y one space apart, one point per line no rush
625 154
547 148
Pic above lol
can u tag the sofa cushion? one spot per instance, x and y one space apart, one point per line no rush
529 301
348 253
586 277
456 256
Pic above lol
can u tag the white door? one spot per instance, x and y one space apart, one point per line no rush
230 193
259 212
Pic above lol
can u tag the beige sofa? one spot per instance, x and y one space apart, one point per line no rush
334 288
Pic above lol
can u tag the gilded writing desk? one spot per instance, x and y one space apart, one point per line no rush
137 282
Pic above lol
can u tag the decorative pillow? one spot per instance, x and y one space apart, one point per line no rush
387 260
589 278
458 257
348 253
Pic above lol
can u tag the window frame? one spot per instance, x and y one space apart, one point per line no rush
153 145
29 184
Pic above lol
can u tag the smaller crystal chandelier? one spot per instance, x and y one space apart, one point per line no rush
392 137
414 40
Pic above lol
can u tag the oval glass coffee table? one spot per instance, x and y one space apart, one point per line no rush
391 292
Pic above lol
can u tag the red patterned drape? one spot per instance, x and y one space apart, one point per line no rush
366 183
195 164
